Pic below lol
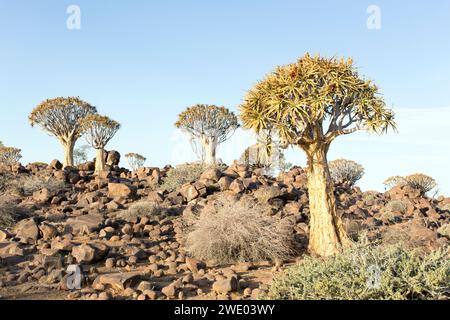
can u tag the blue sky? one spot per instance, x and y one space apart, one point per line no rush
143 62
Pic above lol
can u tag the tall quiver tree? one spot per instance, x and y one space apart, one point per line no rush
309 104
209 126
61 117
99 130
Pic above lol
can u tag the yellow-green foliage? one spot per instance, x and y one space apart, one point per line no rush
208 120
61 116
99 130
404 274
296 100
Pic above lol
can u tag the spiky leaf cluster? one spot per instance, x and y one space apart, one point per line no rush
99 130
61 116
204 120
315 99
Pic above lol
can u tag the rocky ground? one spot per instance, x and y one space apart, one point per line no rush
121 256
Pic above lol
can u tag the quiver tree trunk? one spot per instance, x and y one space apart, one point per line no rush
69 145
100 161
209 146
327 234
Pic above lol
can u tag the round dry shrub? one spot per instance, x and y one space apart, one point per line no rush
345 171
240 231
396 206
182 174
365 272
143 209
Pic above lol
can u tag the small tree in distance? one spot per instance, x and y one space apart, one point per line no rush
309 104
80 155
208 125
9 155
135 160
99 130
61 117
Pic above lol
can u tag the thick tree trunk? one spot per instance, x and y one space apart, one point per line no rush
68 152
327 234
100 163
209 147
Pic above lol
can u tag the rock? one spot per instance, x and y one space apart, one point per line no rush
145 286
43 196
237 186
89 253
226 286
170 291
84 224
444 230
4 234
155 197
104 296
189 192
119 281
27 231
112 158
121 190
211 174
109 263
225 183
195 265
56 165
48 231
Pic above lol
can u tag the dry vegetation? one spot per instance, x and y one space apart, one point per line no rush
240 231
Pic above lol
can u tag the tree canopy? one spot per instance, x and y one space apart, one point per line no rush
208 120
61 116
99 130
315 99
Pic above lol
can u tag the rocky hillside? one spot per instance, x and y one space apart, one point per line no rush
127 235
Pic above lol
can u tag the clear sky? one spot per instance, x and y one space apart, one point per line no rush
143 62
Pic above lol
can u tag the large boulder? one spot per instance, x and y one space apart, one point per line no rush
112 158
89 253
121 190
27 231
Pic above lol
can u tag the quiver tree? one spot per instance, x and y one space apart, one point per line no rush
9 156
209 126
61 117
99 130
135 160
309 104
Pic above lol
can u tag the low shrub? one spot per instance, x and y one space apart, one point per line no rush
345 171
144 209
396 206
182 174
240 230
10 212
31 184
367 272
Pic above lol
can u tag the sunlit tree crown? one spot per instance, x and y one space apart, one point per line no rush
99 130
315 98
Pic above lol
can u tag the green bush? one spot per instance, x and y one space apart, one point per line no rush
182 174
366 272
